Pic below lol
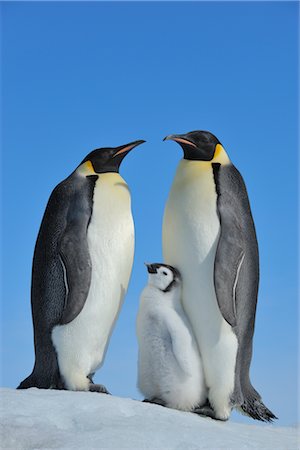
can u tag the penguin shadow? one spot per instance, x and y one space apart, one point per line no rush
205 268
121 300
123 185
99 387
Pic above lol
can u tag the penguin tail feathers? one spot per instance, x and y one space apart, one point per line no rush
42 381
28 382
254 407
45 373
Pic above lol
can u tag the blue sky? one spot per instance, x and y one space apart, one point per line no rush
77 76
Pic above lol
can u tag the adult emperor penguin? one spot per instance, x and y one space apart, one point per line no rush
209 234
81 268
170 371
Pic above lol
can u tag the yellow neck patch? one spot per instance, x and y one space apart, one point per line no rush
220 155
86 169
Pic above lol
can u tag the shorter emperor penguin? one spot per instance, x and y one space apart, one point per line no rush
209 235
81 268
169 365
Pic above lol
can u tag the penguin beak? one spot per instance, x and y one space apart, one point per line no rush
151 268
127 147
180 139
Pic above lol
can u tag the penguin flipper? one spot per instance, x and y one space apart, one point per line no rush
179 343
228 263
75 260
237 238
73 252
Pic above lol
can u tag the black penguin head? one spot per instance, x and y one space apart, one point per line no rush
109 159
163 276
196 145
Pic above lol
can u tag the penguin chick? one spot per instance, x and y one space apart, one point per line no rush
169 365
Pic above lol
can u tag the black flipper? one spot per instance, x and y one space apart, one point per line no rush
232 204
74 255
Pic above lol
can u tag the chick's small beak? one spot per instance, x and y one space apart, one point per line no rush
150 268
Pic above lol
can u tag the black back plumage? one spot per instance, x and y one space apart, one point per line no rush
236 279
58 293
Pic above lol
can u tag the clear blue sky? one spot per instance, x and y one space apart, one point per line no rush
77 76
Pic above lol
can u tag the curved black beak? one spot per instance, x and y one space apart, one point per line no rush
127 147
170 137
180 138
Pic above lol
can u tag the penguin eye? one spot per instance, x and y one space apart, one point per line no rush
165 273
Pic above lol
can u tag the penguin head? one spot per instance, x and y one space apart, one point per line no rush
107 159
197 145
163 276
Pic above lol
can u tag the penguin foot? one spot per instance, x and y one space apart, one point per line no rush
98 388
207 411
156 401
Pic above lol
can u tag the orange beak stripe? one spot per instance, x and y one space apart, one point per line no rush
184 141
125 149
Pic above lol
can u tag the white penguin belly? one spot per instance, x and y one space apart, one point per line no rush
82 343
190 236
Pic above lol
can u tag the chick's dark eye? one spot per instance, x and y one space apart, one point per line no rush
165 273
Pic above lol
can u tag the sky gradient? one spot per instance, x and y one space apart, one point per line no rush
77 76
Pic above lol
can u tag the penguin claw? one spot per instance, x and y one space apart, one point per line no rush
156 401
98 388
207 411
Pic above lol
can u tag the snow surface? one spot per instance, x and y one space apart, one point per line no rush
47 419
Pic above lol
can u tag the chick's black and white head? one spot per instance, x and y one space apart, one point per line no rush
197 145
163 277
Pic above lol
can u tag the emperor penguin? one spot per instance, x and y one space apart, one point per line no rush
81 268
169 365
209 235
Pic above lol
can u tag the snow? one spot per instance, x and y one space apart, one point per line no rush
49 419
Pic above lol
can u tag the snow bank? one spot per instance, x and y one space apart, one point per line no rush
46 419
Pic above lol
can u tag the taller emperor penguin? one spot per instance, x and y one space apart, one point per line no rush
209 235
81 268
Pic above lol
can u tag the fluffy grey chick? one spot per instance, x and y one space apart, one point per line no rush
169 365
